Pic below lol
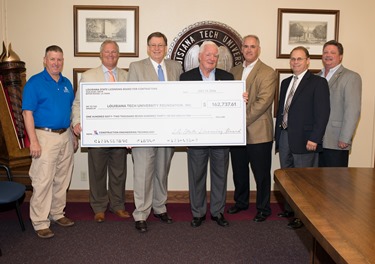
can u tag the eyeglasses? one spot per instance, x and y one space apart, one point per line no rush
299 59
106 52
156 46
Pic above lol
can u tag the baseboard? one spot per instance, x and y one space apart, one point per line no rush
173 196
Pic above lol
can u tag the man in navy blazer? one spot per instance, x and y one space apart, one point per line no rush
198 156
300 125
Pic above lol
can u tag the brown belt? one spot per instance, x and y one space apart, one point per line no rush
59 131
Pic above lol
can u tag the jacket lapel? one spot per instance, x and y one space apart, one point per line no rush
150 71
335 76
250 78
301 86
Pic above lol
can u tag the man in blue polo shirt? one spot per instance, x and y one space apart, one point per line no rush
46 105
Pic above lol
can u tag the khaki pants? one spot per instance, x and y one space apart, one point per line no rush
50 177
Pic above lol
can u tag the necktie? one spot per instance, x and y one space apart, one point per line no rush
288 101
111 76
160 73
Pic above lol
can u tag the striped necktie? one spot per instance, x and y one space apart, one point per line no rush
288 102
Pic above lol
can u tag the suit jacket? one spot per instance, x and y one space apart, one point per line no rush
92 75
143 70
345 88
308 113
261 87
195 75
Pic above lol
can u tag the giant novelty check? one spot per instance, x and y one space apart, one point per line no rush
163 114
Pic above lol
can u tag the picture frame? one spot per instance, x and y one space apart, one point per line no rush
77 72
310 28
281 75
94 24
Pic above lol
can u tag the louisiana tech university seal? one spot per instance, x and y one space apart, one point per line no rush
185 47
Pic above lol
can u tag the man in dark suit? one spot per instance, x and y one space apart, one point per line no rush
104 163
302 117
345 89
261 86
198 156
152 164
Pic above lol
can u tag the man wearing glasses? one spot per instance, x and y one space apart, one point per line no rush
151 164
302 118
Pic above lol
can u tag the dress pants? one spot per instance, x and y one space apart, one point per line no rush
333 158
103 162
291 160
197 172
151 168
50 177
259 156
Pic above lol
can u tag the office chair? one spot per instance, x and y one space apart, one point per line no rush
11 192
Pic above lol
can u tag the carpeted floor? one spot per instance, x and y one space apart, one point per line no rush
178 211
117 241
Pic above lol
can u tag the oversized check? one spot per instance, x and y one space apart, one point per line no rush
163 114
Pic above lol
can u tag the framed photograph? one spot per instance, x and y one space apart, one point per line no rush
94 24
77 72
310 28
281 75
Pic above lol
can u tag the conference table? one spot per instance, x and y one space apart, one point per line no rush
337 206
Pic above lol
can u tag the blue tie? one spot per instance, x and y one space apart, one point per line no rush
160 73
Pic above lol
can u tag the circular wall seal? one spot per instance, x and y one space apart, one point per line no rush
185 47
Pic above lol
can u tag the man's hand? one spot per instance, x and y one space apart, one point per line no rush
343 145
311 146
77 129
35 150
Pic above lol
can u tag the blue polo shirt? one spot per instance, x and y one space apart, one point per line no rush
50 101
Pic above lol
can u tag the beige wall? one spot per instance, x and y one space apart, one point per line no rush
33 25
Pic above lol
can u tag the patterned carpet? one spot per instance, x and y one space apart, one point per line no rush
117 241
178 211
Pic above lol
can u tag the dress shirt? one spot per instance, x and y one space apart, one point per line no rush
211 77
106 73
291 83
330 73
247 69
155 64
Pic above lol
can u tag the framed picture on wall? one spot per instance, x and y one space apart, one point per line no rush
310 28
281 75
94 24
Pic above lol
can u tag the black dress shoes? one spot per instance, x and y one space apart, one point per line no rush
286 214
197 221
295 223
260 217
141 226
235 210
220 220
164 217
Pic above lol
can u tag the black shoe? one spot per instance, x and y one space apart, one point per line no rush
260 217
197 221
164 217
295 223
220 220
235 210
141 226
286 214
